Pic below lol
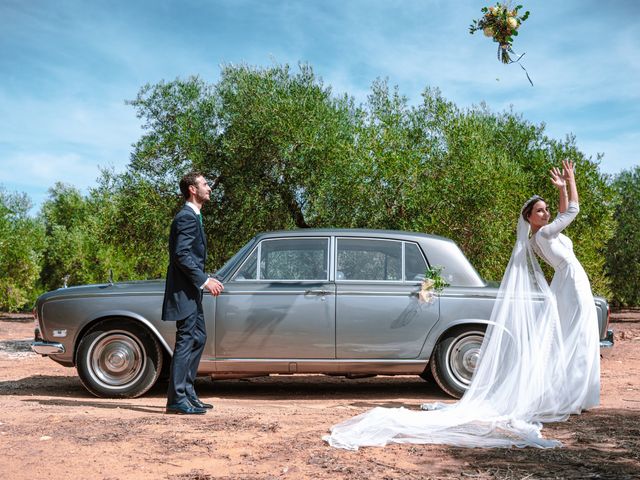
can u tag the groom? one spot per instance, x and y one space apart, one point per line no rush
186 282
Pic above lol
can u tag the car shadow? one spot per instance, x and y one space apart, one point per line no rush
16 318
367 392
111 405
364 392
45 385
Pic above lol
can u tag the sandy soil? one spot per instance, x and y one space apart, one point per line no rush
271 428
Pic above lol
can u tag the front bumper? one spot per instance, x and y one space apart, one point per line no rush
607 342
47 348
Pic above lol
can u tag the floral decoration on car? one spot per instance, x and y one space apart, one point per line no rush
432 285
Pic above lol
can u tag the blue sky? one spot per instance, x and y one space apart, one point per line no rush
67 67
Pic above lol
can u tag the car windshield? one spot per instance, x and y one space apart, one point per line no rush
228 266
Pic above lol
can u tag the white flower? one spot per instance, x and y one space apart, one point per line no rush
512 22
488 31
426 296
427 284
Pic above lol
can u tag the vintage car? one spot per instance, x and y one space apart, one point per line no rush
335 302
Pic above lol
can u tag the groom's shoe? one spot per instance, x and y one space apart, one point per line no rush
196 402
184 409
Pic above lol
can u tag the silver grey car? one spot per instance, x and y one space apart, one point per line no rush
330 301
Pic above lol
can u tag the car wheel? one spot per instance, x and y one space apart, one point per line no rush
119 358
455 358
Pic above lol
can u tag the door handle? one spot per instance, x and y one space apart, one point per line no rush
317 292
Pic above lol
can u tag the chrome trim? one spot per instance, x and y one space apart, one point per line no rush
404 273
47 348
386 294
110 293
374 239
273 292
317 292
265 281
116 359
322 366
393 282
259 259
467 295
332 258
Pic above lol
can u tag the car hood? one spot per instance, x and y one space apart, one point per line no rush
136 287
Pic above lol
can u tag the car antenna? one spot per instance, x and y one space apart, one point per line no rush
111 276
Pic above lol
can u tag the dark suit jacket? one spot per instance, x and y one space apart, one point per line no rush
185 274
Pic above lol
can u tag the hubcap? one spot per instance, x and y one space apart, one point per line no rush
463 356
116 359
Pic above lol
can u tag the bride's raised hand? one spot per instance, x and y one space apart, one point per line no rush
557 178
568 171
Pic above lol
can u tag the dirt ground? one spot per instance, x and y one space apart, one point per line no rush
271 428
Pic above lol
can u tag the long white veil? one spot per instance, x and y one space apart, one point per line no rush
517 385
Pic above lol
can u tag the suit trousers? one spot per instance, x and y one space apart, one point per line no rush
191 336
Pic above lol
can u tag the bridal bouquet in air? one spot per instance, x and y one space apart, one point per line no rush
501 23
432 284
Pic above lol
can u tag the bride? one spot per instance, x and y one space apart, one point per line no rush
539 361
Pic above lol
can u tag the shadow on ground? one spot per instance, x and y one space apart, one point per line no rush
364 392
16 318
603 444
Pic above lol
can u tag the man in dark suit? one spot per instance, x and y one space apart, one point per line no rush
186 282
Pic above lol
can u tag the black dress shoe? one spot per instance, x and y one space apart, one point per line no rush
196 402
182 409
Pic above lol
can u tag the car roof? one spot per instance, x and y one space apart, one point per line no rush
352 232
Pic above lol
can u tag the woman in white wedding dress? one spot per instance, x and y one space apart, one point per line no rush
539 361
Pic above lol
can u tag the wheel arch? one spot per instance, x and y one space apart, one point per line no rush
450 369
119 315
445 328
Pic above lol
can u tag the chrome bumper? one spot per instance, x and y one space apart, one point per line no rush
47 348
607 342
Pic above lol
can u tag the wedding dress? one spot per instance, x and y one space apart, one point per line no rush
539 361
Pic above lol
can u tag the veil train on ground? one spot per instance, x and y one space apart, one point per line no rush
519 383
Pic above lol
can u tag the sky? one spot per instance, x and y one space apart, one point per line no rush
67 67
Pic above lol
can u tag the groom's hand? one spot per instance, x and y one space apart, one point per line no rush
214 286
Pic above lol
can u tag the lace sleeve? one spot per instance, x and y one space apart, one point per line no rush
561 222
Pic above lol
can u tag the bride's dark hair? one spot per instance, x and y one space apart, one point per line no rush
528 206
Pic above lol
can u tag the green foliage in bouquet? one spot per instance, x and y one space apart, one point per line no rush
501 24
435 275
432 284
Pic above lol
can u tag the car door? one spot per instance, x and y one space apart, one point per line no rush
279 303
378 314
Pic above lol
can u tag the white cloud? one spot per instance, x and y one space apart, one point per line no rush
620 152
36 169
72 65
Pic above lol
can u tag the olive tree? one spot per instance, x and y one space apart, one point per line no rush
21 244
283 151
262 136
623 250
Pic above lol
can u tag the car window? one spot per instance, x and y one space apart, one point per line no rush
231 263
287 259
414 263
248 270
364 259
